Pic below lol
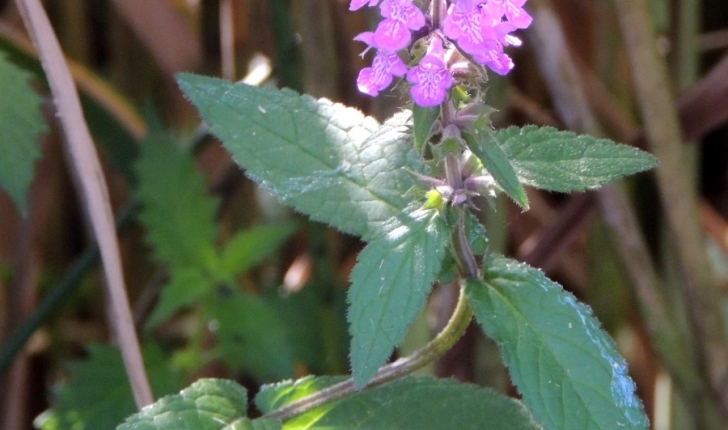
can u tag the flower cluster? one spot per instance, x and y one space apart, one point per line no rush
480 28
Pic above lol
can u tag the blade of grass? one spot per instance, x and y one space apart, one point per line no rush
89 179
679 198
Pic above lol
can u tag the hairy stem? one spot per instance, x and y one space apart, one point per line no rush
454 329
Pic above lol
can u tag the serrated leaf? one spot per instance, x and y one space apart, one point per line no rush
326 160
566 368
97 395
423 119
249 247
249 335
177 212
389 285
562 161
21 124
186 286
498 165
409 403
208 404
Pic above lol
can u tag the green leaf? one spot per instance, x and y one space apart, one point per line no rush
178 214
275 396
409 403
423 118
326 160
562 161
21 124
208 404
249 335
496 162
186 286
258 424
110 118
566 368
249 247
98 396
315 320
389 285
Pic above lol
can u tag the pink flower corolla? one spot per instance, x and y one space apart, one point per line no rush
479 30
465 24
393 33
431 78
513 10
494 57
358 4
385 65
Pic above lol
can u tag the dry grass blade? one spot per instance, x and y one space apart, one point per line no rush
92 187
679 200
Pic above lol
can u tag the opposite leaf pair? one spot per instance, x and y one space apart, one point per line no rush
344 169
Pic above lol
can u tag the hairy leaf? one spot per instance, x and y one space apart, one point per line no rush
566 368
562 161
98 396
409 403
208 404
21 124
389 285
497 164
249 335
324 159
178 214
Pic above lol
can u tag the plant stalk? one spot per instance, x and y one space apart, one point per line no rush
454 329
91 185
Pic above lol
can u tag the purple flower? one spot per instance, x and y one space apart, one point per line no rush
358 4
465 26
386 64
431 78
393 33
495 58
513 10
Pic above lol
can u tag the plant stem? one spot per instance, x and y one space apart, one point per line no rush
91 184
454 329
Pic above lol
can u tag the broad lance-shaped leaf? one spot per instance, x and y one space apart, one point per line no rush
21 124
326 160
565 366
497 164
389 285
562 161
406 404
208 404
